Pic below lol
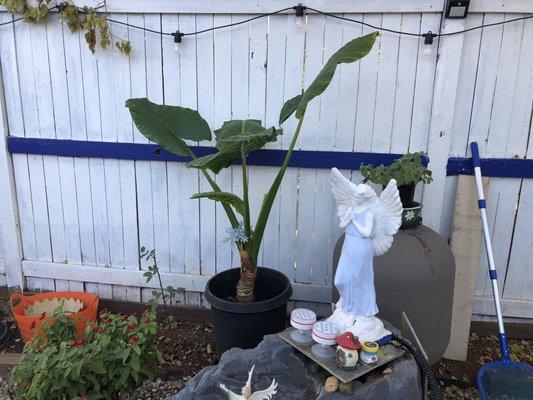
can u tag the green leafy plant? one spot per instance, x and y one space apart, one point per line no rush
112 358
86 19
161 295
170 126
407 170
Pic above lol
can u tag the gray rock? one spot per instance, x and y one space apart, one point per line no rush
296 376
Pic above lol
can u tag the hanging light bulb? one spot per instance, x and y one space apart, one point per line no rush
299 15
177 40
428 42
60 9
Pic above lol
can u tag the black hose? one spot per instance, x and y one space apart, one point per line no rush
434 386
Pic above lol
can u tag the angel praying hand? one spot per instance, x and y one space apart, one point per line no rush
369 222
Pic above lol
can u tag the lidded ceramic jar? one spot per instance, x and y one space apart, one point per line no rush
325 335
302 320
346 355
369 353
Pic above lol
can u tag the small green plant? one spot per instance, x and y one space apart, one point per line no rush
171 126
171 291
407 170
112 358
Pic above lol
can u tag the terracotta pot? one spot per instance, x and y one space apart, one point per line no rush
29 324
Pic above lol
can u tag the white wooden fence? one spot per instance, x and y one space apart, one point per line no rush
82 221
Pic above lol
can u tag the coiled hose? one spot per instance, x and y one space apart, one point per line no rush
434 386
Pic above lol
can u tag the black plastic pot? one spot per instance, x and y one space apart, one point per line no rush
244 324
407 195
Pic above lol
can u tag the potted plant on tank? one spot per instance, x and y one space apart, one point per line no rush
251 301
408 171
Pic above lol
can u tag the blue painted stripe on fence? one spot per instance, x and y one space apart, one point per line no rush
152 152
493 275
493 167
482 204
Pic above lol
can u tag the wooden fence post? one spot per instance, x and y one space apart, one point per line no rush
10 240
440 132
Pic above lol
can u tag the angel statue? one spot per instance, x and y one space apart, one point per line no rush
369 222
247 390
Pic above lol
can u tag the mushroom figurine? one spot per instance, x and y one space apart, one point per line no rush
346 355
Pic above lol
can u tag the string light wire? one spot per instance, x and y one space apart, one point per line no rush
297 8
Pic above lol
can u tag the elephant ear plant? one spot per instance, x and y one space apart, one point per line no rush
170 126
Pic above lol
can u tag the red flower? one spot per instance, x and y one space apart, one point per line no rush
132 326
77 342
132 340
97 329
32 326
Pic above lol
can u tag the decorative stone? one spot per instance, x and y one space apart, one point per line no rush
346 388
331 385
276 359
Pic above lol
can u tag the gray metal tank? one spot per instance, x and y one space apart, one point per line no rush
416 275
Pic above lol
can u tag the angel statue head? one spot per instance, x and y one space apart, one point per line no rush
364 193
369 223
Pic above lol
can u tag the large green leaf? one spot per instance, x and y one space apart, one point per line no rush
168 126
289 108
223 197
350 52
231 137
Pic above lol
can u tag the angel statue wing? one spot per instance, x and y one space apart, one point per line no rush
387 218
344 193
247 389
265 394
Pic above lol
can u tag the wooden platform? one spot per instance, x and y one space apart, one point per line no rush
387 353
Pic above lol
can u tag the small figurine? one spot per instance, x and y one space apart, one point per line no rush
302 320
369 222
247 390
346 356
325 335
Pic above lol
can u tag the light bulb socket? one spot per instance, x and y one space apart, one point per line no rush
299 10
428 37
61 7
177 36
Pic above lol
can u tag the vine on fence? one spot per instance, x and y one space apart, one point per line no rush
86 19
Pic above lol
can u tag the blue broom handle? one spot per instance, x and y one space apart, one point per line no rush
476 161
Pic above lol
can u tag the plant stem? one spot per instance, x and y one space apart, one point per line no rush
229 212
247 228
266 206
167 317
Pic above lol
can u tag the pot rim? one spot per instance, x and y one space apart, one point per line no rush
417 206
248 308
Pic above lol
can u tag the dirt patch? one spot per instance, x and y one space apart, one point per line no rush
187 348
